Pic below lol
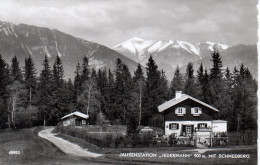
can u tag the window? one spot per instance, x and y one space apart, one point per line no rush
83 122
202 125
173 126
196 111
180 111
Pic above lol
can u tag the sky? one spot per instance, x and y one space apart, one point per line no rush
109 22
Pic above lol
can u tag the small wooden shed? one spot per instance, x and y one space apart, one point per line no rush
75 119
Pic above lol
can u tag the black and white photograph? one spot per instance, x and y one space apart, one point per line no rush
132 82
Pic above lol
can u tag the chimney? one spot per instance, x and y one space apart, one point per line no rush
178 94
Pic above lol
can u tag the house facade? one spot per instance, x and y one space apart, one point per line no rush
75 119
185 116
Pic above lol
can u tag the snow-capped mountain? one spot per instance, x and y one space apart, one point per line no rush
205 48
139 50
24 40
169 54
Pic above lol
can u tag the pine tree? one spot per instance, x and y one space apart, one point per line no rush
45 92
70 91
59 99
190 81
118 89
30 85
77 82
152 89
58 72
139 86
215 71
245 100
216 80
85 70
206 92
5 80
163 88
227 109
16 72
109 96
200 74
176 83
199 81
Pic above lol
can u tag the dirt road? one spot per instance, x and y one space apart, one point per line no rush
66 146
22 147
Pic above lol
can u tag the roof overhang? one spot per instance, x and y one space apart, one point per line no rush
184 97
79 114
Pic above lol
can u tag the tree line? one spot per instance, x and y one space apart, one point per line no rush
117 97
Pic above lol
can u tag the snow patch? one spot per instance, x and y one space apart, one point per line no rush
47 52
30 52
14 31
97 64
56 46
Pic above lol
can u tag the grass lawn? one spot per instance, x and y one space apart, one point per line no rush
32 149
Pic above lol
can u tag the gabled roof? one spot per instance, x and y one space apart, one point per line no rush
79 114
183 97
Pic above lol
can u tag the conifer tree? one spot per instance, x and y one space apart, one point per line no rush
45 92
30 85
190 81
176 83
16 72
85 70
245 100
206 92
152 89
215 71
77 82
58 72
139 85
30 77
199 82
200 74
109 96
227 110
216 80
5 80
59 100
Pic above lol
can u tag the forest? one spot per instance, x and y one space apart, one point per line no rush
29 98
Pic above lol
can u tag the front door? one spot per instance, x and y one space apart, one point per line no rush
188 130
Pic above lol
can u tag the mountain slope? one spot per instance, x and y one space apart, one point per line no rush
24 40
233 56
167 54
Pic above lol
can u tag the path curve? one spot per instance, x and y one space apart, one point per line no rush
66 146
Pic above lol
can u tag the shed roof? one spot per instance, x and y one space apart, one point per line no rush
79 114
182 98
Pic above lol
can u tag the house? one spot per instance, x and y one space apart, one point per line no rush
75 119
185 116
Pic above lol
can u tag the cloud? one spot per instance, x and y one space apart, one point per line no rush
109 22
199 26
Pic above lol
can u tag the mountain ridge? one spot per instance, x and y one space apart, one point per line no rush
23 40
171 53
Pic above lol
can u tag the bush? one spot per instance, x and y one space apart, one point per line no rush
117 141
108 140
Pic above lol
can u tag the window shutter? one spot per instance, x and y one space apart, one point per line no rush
200 111
177 126
192 110
184 110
